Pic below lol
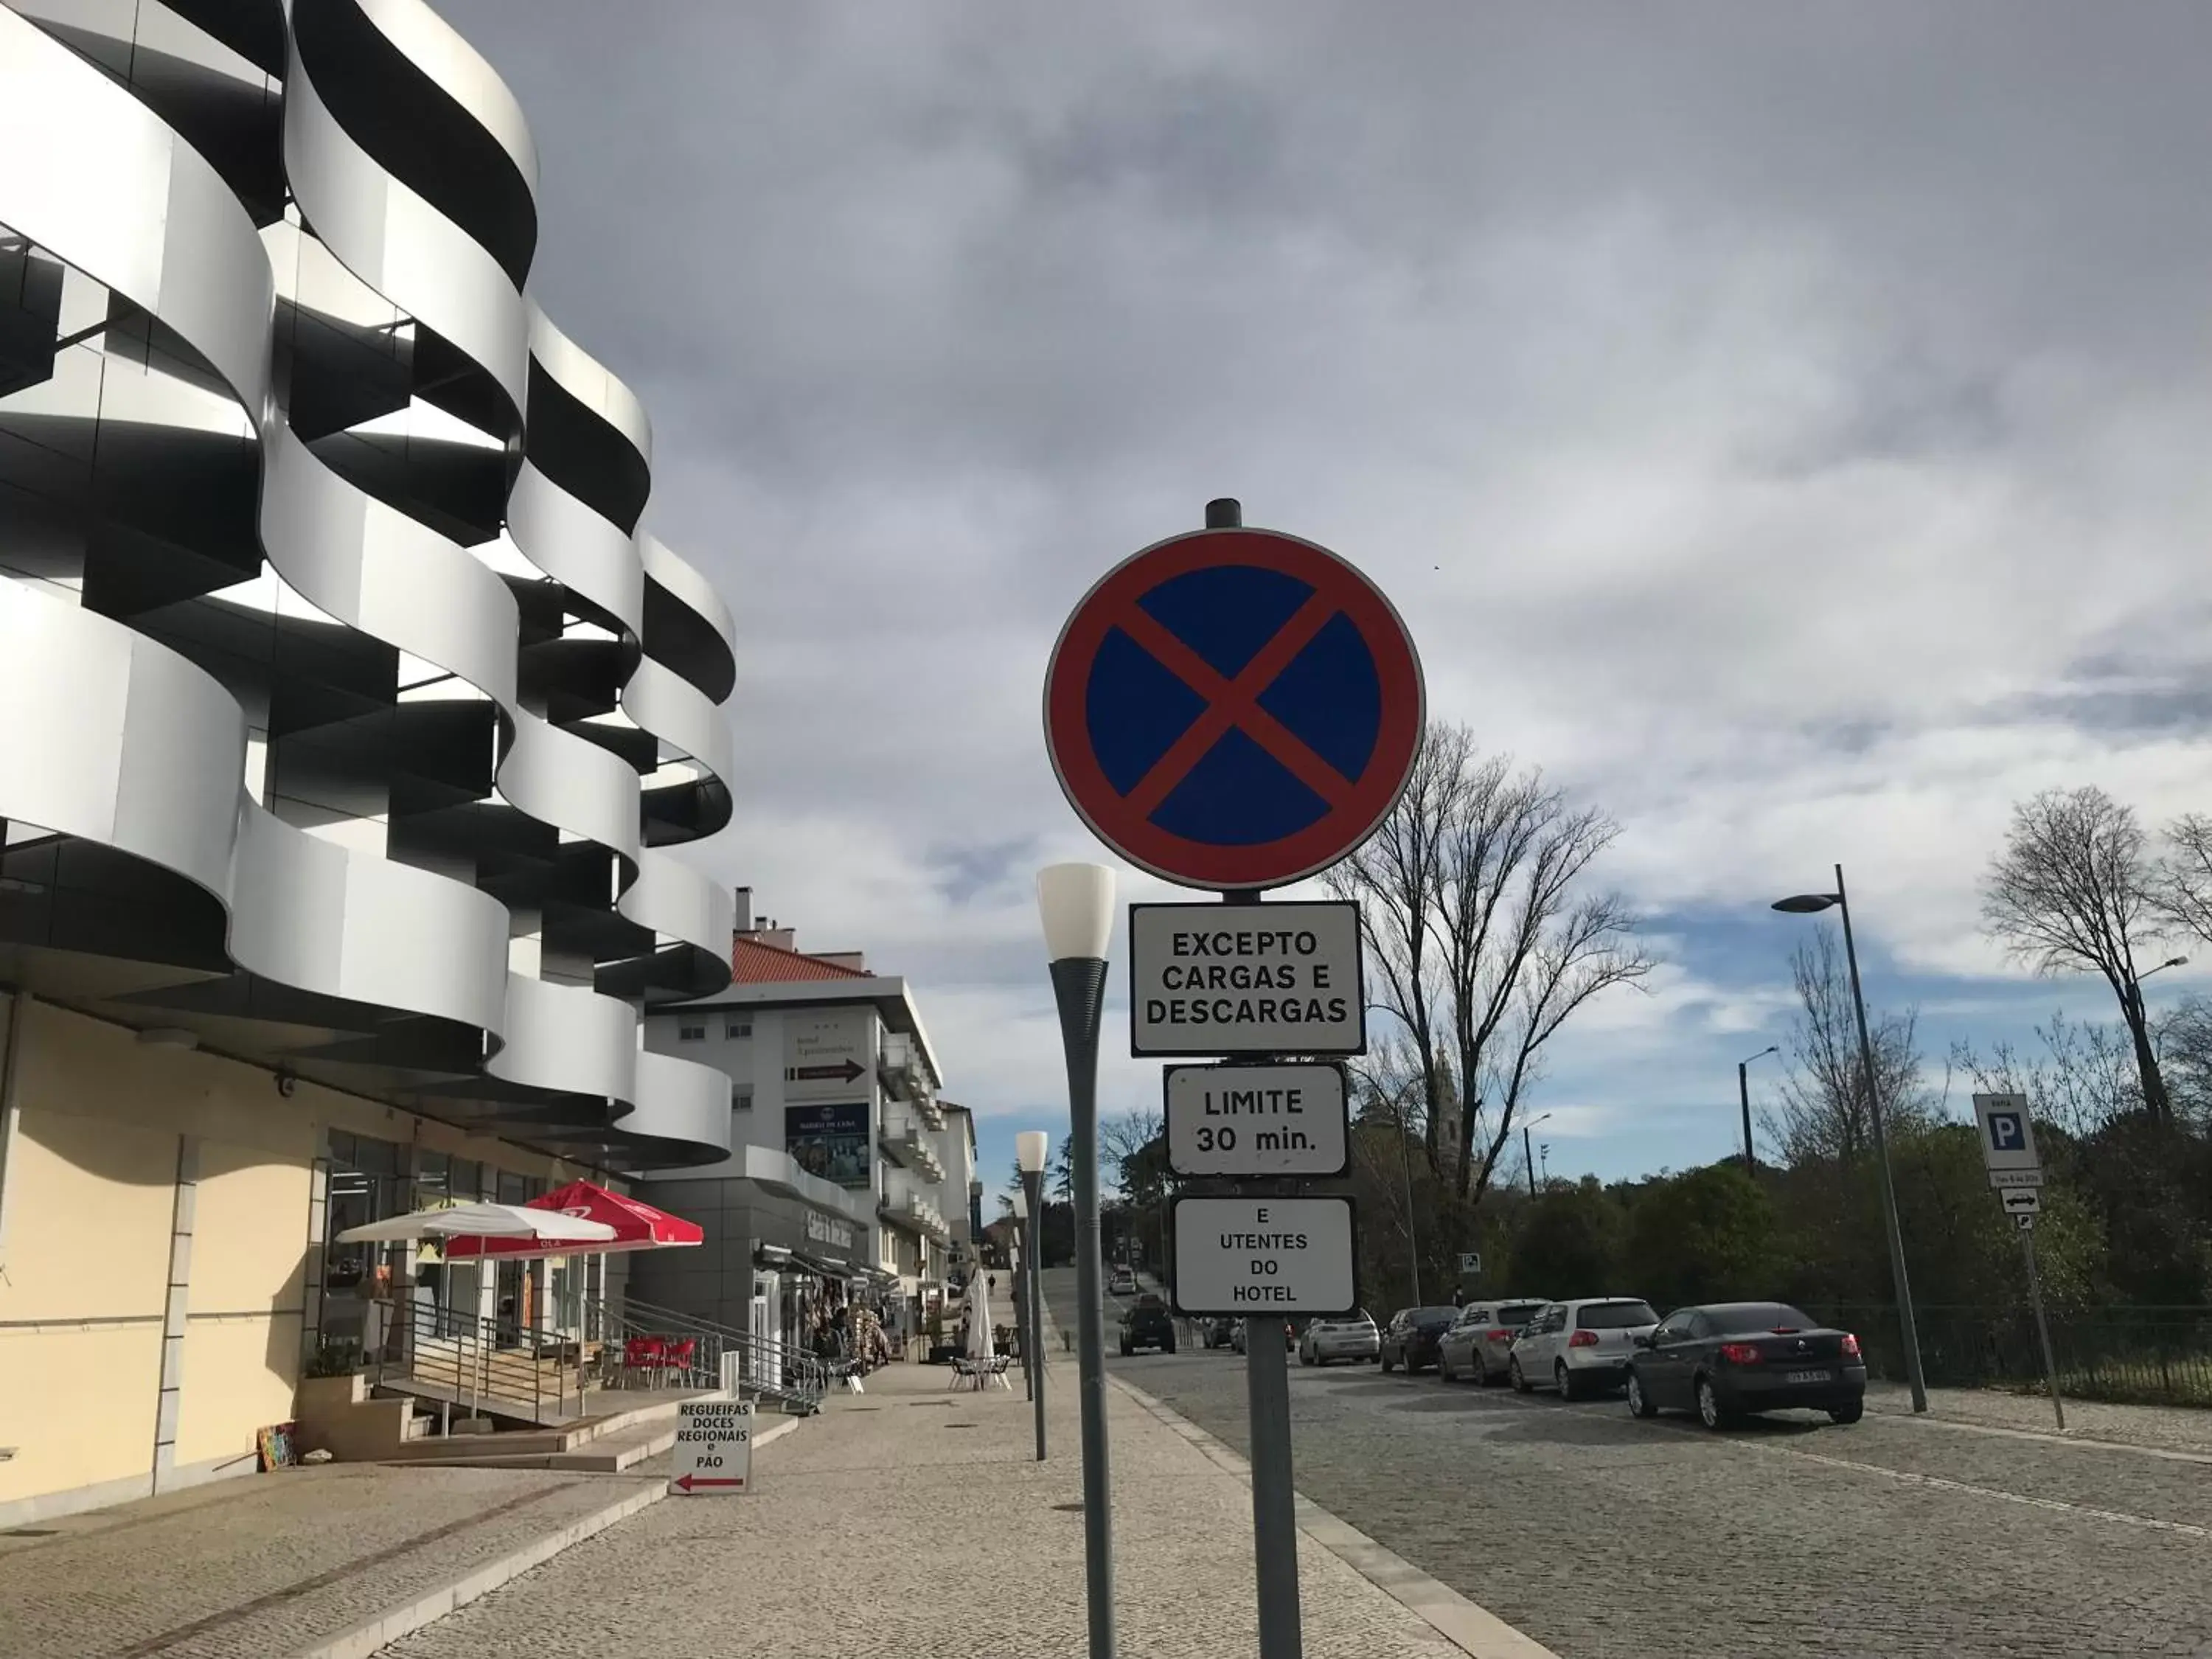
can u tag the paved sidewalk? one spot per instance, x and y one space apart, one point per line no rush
913 1521
2156 1428
275 1565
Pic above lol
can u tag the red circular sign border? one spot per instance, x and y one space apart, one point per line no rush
1270 864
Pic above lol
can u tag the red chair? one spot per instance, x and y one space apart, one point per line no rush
677 1353
643 1353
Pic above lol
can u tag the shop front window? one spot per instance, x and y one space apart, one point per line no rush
365 1184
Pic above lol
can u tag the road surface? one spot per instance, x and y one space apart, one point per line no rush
1607 1537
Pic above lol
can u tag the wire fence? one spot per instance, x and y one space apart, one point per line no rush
2135 1356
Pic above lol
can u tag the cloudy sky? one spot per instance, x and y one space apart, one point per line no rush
1786 425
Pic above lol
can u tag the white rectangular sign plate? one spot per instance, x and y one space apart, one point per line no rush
1256 1119
2021 1201
2004 1178
1245 979
1263 1255
2008 1137
714 1452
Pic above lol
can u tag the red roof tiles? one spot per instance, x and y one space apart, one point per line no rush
752 963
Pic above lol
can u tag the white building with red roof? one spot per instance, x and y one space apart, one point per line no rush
836 1187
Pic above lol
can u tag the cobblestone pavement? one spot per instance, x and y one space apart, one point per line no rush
1605 1538
2167 1428
263 1565
913 1521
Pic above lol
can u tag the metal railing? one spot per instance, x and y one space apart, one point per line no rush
485 1364
2151 1356
768 1367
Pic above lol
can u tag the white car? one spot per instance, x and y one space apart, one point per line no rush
1351 1337
1121 1282
1580 1346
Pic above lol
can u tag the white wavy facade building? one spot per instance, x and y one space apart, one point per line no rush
346 711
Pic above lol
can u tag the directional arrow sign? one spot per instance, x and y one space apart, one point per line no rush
850 1071
714 1452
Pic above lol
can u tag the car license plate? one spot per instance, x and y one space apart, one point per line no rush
1809 1376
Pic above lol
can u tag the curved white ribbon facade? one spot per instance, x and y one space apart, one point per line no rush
348 713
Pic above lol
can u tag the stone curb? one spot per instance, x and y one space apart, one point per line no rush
404 1620
1473 1630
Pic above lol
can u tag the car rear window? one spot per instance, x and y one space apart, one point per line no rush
1427 1317
1614 1316
1750 1316
1519 1313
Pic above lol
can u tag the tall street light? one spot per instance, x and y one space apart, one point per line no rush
1743 1094
2158 1047
1076 903
1029 1147
1528 1152
1805 904
1019 1259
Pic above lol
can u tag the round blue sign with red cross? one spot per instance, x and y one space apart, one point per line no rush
1234 709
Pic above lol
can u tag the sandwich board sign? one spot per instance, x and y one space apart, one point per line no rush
714 1452
2008 1140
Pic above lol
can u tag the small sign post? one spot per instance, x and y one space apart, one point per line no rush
714 1452
2017 1172
1238 709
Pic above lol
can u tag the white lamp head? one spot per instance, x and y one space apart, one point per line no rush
1030 1146
1077 904
1021 1207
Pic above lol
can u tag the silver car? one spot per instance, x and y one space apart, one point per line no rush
1580 1346
1353 1337
1480 1340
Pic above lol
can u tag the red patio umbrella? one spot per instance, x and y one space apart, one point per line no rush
637 1224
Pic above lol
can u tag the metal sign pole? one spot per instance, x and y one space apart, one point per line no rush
1274 1508
1274 1498
2042 1325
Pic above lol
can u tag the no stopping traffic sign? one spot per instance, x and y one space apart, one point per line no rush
1234 709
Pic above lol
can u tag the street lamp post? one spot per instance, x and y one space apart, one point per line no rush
1743 1094
1076 903
1528 1152
1020 1262
1810 904
2157 1042
1029 1147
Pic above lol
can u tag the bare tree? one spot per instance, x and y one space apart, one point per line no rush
2181 884
2073 889
1397 877
1823 1112
1481 943
2083 1079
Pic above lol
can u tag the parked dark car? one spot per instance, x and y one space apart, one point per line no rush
1731 1360
1147 1324
1410 1339
1219 1333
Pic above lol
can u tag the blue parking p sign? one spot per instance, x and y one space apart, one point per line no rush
2008 1140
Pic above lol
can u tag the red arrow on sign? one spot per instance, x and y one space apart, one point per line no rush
689 1482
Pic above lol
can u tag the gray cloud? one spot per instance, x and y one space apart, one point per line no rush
1762 414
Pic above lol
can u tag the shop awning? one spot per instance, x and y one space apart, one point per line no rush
630 1224
516 1225
828 1266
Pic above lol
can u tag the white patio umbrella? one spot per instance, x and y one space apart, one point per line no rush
481 1220
980 1344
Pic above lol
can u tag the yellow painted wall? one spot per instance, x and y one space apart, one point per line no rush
90 1202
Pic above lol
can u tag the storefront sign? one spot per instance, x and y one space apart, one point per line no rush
828 1230
830 1142
827 1055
